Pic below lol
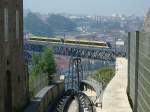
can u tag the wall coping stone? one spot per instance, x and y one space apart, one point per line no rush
37 101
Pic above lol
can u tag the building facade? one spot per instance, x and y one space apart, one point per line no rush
13 78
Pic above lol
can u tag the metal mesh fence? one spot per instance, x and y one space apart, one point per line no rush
36 83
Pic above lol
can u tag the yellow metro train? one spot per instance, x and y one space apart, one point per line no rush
70 42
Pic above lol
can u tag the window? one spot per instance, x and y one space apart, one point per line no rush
6 24
17 24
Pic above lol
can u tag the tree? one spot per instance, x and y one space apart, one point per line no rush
44 64
60 23
36 65
40 25
48 63
35 25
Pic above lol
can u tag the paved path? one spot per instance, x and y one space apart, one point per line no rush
115 97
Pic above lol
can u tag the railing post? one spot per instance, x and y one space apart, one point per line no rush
128 89
136 71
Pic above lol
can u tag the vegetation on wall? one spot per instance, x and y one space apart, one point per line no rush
104 75
43 66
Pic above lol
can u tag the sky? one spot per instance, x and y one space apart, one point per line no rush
89 7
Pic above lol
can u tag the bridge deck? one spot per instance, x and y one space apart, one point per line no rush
115 97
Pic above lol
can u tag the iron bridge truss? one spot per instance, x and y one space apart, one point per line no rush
103 54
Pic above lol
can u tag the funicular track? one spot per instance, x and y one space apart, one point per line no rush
73 90
84 103
64 101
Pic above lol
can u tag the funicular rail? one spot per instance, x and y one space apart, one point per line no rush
84 103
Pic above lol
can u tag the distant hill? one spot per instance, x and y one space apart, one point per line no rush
47 25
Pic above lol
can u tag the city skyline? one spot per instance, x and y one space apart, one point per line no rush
88 7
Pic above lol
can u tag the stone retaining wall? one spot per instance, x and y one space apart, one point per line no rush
46 98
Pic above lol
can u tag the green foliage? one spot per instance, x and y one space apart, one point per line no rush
60 23
36 83
35 25
104 75
43 64
48 62
36 65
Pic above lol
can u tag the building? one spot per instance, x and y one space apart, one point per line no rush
13 78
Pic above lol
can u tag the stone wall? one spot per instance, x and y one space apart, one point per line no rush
46 98
13 77
2 72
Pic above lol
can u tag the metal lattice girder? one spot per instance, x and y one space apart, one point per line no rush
104 54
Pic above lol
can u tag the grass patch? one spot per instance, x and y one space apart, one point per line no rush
104 75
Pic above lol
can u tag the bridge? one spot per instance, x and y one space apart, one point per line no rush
104 54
